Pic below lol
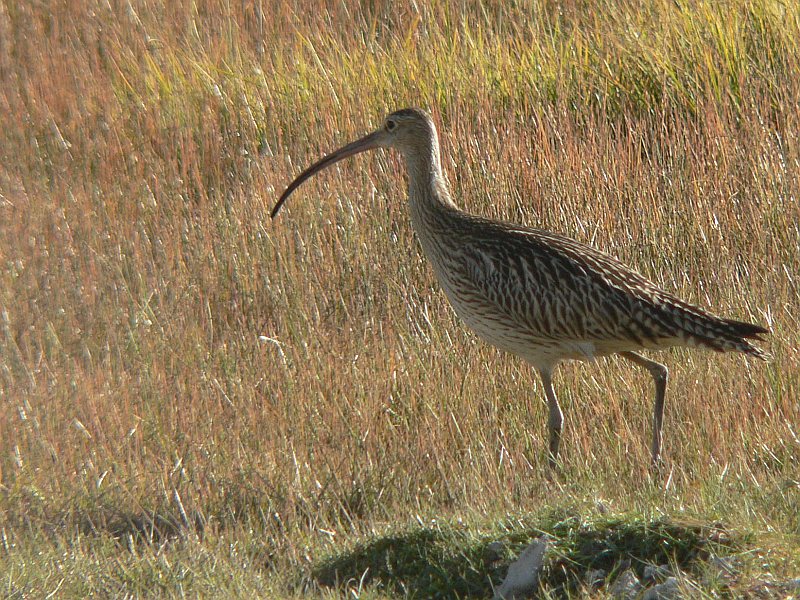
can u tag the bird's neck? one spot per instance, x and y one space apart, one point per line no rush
428 192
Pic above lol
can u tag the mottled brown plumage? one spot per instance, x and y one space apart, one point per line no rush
536 294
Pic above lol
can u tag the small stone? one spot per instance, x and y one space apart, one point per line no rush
594 578
522 579
720 571
626 586
723 564
494 552
653 573
669 590
776 589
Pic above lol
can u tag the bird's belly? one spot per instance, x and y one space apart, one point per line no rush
531 346
535 347
543 351
543 346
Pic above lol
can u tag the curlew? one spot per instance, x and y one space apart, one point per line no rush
539 295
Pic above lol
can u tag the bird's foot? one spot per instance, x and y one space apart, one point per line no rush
658 468
552 468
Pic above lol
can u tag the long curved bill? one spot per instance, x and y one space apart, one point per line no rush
368 142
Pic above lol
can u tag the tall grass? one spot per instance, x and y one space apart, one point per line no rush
174 361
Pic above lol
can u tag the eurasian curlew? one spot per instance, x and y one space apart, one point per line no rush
537 294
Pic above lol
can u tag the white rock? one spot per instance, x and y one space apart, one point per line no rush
653 572
669 590
626 586
522 579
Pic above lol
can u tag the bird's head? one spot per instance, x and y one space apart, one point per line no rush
410 131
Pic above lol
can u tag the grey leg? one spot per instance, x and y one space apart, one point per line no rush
659 373
555 419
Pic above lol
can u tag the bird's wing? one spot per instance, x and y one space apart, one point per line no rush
564 290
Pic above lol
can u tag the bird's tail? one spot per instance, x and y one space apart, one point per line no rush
729 334
747 330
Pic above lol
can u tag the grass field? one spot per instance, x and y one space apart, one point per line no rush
198 401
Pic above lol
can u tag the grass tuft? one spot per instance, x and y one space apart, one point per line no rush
450 560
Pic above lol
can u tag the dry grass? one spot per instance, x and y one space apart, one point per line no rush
173 363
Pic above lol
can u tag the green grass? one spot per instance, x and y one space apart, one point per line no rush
195 400
451 561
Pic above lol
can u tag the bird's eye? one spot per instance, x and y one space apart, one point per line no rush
391 124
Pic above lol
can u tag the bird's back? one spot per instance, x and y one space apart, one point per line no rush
547 297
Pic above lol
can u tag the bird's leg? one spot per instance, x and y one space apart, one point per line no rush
555 418
659 373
